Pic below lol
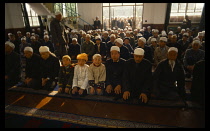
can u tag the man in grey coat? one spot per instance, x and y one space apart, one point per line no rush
59 37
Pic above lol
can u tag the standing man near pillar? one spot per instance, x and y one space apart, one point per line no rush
59 38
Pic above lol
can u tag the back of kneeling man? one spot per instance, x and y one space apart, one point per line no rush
137 77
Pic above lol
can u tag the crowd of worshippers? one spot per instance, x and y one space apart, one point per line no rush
121 62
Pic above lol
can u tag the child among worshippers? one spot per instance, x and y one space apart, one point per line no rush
97 76
80 79
66 74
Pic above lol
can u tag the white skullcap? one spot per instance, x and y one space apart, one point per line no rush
43 49
186 34
97 17
127 32
178 27
10 44
196 38
105 32
153 39
74 39
102 30
196 41
97 38
182 30
28 33
32 33
200 34
23 38
139 51
139 34
9 33
203 32
156 31
170 32
173 49
135 30
45 33
113 28
148 26
163 33
163 39
58 13
46 36
119 40
38 28
33 37
96 55
187 28
142 39
28 49
18 31
88 35
115 48
112 35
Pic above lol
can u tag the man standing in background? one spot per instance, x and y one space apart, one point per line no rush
59 38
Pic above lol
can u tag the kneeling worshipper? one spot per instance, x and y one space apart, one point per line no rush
80 79
169 78
66 74
50 66
12 65
32 79
137 77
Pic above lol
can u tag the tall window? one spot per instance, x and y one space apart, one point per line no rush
67 9
32 16
122 12
179 10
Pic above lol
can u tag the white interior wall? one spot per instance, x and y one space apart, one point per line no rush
13 16
89 11
154 13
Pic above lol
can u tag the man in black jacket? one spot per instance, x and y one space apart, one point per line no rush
12 65
137 77
32 70
169 78
50 66
59 36
114 72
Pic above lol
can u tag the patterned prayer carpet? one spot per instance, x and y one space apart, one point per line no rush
25 117
152 102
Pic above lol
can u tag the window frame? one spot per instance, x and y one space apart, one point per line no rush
177 13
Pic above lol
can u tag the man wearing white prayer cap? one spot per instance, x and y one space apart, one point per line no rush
59 36
183 45
50 66
114 72
168 72
160 52
12 65
137 78
124 51
33 69
191 56
155 34
148 51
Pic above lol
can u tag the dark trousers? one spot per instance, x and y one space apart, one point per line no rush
35 83
60 50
